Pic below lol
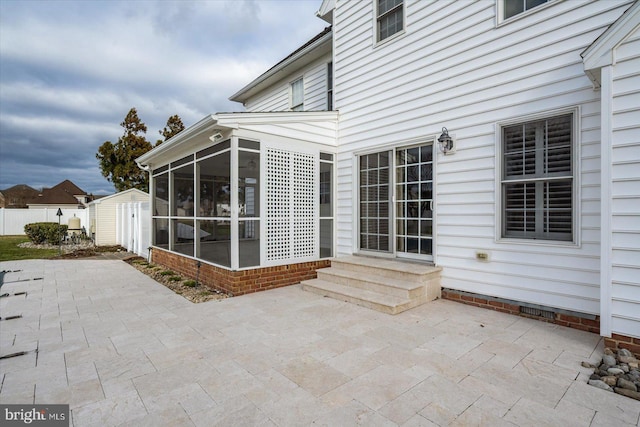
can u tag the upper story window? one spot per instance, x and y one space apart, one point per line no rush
389 18
538 177
297 95
512 8
330 86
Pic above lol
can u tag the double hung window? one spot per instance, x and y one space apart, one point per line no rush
537 180
389 18
297 95
512 8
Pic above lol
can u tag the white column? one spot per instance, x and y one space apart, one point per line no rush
605 200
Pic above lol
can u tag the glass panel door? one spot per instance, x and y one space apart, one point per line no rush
375 212
414 202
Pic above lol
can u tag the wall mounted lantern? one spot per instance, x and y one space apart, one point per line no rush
446 142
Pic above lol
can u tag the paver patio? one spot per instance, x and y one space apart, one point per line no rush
122 349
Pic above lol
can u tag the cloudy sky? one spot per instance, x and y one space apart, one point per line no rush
71 70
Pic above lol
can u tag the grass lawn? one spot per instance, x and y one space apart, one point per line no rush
10 251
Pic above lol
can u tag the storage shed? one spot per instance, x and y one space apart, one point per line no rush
102 215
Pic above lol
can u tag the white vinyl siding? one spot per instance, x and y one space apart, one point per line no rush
625 190
456 69
277 97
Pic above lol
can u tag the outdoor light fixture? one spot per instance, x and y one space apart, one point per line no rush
215 137
445 141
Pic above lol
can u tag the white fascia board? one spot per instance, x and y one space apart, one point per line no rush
602 51
264 80
237 120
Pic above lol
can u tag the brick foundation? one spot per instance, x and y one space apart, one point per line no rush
585 322
622 341
239 282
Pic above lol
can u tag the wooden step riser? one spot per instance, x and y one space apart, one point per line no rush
334 276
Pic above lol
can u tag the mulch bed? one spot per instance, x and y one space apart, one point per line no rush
189 289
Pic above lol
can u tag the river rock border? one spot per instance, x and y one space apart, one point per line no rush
618 372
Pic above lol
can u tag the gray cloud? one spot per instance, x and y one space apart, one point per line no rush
70 72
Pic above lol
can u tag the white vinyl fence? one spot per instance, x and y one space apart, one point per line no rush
12 221
133 227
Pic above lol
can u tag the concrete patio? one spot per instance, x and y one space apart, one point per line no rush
122 349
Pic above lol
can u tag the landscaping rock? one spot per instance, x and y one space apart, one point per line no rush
629 385
609 360
617 372
627 359
621 352
600 384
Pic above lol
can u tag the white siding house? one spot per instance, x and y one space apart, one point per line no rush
613 63
103 215
498 140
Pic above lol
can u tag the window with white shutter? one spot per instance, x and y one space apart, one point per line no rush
538 179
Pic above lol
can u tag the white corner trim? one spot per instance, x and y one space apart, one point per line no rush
605 199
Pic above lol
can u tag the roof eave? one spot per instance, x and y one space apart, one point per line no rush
602 51
249 90
208 122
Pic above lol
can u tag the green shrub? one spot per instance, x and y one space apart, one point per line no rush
175 278
45 232
167 273
190 283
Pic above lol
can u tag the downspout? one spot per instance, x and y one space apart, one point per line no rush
605 199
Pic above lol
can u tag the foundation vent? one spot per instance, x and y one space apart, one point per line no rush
537 312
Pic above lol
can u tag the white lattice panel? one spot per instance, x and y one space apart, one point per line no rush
290 205
304 201
278 205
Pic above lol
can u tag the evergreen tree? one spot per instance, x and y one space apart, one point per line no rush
117 161
174 126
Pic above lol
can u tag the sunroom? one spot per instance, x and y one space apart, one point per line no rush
245 191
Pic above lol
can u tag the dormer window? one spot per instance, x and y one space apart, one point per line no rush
297 95
389 18
512 8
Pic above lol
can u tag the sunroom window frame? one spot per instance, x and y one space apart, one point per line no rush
500 235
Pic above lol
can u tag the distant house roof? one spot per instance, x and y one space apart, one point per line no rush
54 196
18 196
295 60
63 193
69 187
